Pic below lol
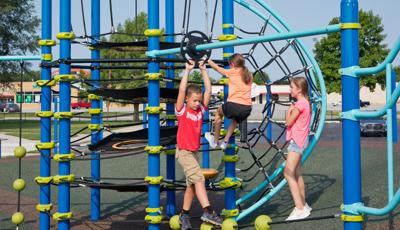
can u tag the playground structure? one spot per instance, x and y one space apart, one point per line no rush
352 208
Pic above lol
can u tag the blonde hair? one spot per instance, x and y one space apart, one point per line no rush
302 84
238 61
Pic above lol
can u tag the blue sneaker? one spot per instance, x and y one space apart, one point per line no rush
212 218
184 220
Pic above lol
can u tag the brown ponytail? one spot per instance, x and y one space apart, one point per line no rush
238 61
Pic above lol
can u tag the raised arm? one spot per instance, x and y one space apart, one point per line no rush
207 84
292 115
216 67
182 86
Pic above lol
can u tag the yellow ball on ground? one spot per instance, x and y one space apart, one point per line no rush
19 152
229 224
19 184
174 223
206 226
262 222
17 218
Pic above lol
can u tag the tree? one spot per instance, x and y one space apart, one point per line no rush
18 27
372 52
260 78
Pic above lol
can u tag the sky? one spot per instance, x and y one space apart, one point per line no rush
299 14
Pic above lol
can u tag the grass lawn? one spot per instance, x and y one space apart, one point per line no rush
31 128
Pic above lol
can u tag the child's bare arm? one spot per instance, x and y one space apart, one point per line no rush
182 86
292 115
207 84
216 67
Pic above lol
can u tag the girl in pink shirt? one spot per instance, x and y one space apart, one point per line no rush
298 127
238 106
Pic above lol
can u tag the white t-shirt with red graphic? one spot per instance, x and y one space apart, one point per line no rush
189 127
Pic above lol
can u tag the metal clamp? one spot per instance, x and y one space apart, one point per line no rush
351 218
227 37
153 149
153 219
63 115
43 180
64 157
153 179
230 158
349 71
152 32
229 212
45 145
57 179
154 109
349 115
95 111
153 76
227 26
62 216
44 207
93 97
44 114
351 208
65 35
65 77
46 42
230 182
49 83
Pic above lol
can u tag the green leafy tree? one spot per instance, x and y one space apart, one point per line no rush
372 52
260 78
18 27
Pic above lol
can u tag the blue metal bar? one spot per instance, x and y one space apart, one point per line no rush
32 58
170 29
381 211
376 69
230 193
45 122
246 41
394 109
154 119
65 105
96 118
390 131
350 97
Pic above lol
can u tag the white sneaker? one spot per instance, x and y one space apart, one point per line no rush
211 141
223 145
307 207
298 214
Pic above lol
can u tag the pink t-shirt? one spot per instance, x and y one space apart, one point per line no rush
189 127
301 126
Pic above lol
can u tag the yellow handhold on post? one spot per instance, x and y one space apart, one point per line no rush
47 57
153 219
44 114
95 111
49 83
230 212
63 115
154 109
153 149
93 97
64 157
57 179
152 32
153 76
65 77
46 42
62 216
227 37
65 35
153 179
351 218
230 182
44 207
45 145
43 180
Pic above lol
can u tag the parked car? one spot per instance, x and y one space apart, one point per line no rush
373 127
9 107
81 104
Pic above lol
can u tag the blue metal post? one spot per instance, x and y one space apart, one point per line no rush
268 99
390 131
351 100
154 119
96 118
170 29
65 106
45 122
56 102
230 193
394 109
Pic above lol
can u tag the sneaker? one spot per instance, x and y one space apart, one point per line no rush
307 207
211 141
298 214
212 218
223 145
184 220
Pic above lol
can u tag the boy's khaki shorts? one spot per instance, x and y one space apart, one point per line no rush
189 162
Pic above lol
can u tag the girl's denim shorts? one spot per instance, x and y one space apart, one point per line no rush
293 147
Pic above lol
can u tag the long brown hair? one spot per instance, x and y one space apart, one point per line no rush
302 83
238 61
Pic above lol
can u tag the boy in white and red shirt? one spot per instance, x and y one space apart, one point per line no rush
189 109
